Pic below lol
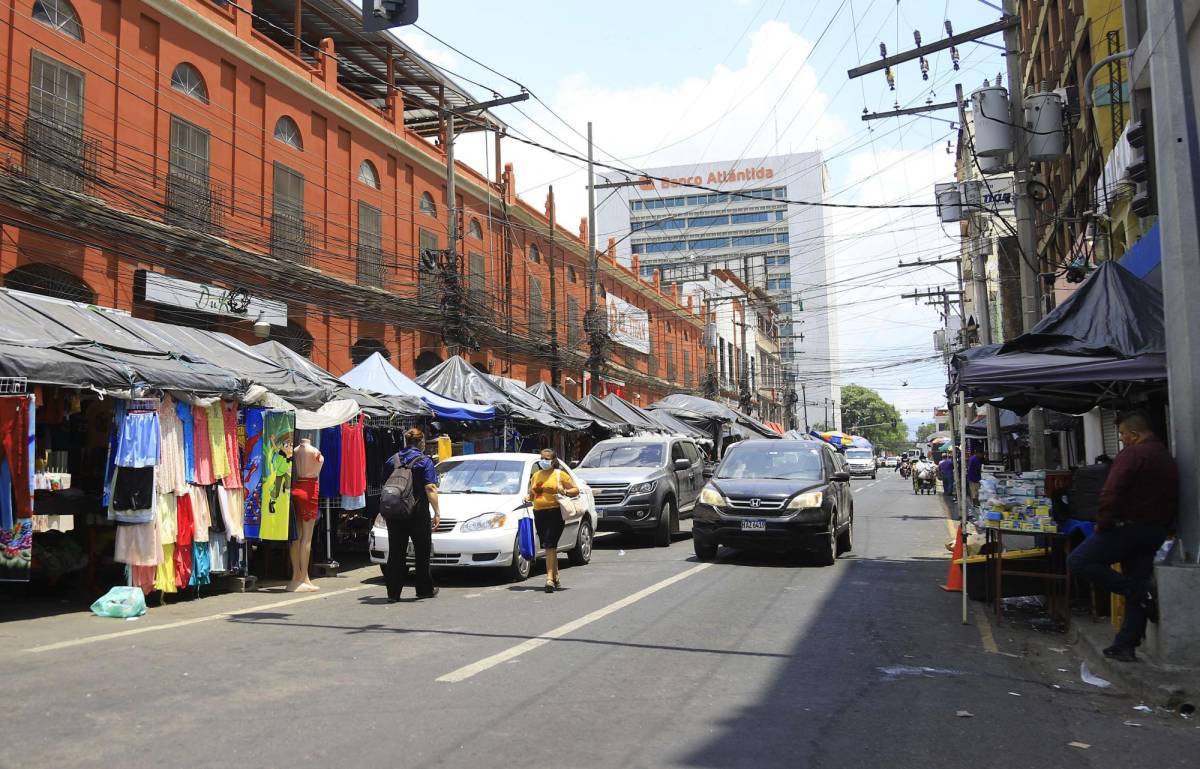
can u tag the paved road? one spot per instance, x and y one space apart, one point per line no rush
647 659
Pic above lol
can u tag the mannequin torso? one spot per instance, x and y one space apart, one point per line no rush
307 460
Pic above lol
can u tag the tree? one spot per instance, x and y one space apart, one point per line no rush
865 413
925 430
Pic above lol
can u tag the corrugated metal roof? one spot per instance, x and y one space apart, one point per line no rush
363 61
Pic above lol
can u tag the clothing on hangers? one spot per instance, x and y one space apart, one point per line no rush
139 438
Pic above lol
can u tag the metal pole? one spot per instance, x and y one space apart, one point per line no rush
1026 230
1176 163
962 495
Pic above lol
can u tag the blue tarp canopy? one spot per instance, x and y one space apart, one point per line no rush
377 375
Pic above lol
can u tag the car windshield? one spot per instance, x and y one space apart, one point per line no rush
625 455
858 453
778 463
480 476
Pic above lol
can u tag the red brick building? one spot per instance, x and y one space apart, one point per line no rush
277 160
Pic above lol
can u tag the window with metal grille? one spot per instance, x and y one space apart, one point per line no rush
687 369
54 145
474 230
537 314
189 196
477 283
427 263
290 238
427 205
370 245
672 372
535 255
574 328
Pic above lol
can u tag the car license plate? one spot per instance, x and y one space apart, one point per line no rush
754 525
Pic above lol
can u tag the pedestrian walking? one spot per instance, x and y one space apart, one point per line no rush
975 475
418 526
946 468
1138 505
549 480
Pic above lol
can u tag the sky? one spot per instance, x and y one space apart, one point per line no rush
674 82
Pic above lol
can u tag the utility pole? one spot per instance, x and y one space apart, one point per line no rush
451 199
1177 155
804 402
1026 231
555 373
593 312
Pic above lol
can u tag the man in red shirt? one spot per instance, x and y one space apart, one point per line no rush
1137 510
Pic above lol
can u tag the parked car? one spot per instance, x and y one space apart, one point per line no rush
891 461
784 495
644 484
482 497
861 462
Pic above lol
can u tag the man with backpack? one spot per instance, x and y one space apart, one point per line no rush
408 497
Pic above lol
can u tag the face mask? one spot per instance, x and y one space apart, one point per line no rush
544 464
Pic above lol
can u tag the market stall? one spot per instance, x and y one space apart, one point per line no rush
724 425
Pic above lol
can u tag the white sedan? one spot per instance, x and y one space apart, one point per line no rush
482 497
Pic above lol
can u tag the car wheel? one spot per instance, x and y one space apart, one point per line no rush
845 541
828 551
662 534
705 551
520 568
581 554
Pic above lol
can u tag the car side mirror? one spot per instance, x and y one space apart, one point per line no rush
842 477
683 464
576 463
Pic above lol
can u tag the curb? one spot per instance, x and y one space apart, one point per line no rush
1152 683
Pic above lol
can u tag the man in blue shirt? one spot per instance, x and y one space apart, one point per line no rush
418 527
946 468
975 474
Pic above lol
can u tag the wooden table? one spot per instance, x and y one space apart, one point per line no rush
1057 576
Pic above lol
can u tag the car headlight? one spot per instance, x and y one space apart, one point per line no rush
485 522
710 496
379 523
806 500
643 488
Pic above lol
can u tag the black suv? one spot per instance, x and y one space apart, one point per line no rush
779 495
644 484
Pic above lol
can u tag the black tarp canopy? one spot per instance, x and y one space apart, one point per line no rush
601 409
372 405
635 415
564 405
712 417
49 341
1100 346
676 425
456 378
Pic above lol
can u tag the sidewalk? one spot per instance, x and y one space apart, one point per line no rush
1149 680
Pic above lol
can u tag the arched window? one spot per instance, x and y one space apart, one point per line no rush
60 15
288 132
293 336
426 361
48 280
535 256
427 205
187 79
365 347
474 230
368 175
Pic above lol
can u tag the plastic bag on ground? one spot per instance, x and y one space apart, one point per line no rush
120 602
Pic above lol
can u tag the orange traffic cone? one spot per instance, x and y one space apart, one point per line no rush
954 579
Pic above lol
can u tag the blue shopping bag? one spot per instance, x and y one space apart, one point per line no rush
525 538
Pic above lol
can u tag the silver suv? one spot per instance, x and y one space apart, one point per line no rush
644 485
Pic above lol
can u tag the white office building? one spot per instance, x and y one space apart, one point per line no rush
752 226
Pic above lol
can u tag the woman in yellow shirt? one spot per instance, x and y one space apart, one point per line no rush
549 480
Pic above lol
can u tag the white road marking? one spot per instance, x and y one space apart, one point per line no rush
513 652
192 621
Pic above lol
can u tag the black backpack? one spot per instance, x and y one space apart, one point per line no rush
397 500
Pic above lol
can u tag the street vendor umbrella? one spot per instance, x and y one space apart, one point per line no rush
860 442
834 437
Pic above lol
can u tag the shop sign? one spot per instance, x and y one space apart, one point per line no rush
628 325
162 289
994 193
